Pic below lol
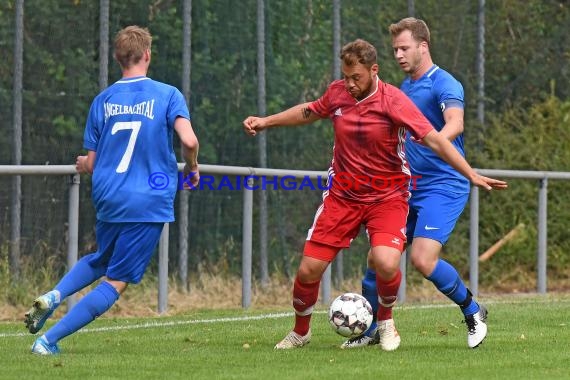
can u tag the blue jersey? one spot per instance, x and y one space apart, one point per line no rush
130 126
435 91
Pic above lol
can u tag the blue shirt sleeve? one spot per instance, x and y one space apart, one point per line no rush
93 127
177 108
448 92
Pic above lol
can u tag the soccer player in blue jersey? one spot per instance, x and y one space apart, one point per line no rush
441 193
129 139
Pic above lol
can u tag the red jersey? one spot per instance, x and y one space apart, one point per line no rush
369 160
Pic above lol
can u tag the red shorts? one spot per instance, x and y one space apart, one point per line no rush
337 222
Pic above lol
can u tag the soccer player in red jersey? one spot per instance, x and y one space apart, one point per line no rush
370 120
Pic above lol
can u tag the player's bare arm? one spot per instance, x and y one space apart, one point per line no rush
449 154
85 164
296 115
453 123
190 147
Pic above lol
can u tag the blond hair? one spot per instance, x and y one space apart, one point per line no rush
418 28
131 44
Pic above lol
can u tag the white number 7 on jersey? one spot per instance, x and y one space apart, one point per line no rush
120 126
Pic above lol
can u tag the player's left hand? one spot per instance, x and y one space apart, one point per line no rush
489 183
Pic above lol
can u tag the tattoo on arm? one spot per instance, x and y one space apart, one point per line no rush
306 112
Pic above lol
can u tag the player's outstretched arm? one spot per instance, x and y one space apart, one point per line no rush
190 147
449 154
296 115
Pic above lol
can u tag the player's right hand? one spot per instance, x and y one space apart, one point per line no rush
193 173
253 124
489 183
81 165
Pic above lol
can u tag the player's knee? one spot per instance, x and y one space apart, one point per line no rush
423 263
308 273
386 270
120 286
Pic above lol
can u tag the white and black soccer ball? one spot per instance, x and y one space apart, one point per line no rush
350 315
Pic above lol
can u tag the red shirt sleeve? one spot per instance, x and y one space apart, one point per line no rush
322 105
406 113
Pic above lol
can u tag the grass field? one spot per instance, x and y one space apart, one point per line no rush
529 338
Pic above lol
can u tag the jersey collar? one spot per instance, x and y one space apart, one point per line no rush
432 70
132 79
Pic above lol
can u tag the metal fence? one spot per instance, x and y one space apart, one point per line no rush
247 222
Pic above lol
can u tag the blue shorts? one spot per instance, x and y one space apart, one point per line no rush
125 249
433 214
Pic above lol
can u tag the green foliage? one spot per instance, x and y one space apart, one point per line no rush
523 139
528 47
530 138
4 269
526 50
40 274
64 126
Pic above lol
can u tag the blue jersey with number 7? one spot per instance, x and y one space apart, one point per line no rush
130 126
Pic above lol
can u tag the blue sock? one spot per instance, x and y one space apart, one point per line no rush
370 292
95 303
447 280
79 276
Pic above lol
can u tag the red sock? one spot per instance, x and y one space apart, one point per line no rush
304 298
387 295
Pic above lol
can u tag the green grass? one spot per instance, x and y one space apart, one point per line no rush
528 339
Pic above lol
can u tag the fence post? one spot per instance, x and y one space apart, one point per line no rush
17 93
184 196
474 241
542 229
246 249
73 229
183 239
163 270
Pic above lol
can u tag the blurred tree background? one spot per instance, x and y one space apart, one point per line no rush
527 104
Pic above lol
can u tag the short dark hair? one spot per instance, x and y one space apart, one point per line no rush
358 51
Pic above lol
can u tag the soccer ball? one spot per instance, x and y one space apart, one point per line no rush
350 315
